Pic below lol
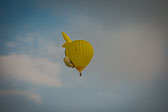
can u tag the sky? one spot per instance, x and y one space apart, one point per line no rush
128 72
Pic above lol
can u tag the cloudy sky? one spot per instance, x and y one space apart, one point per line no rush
128 72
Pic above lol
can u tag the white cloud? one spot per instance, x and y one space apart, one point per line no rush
29 95
39 46
134 51
27 39
11 44
39 71
108 94
51 50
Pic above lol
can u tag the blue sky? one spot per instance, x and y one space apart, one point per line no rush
128 72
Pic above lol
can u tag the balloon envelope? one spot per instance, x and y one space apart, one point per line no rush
80 52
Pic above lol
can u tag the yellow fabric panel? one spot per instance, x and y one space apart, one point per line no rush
66 37
80 52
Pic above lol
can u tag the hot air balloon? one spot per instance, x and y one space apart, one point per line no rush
78 53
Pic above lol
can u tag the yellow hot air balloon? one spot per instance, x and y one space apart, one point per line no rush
78 53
